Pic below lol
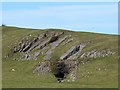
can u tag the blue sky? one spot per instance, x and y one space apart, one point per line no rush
100 17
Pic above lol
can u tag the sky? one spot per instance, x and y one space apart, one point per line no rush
99 17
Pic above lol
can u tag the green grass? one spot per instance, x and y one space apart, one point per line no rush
23 76
106 77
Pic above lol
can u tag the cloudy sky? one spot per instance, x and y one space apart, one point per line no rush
100 17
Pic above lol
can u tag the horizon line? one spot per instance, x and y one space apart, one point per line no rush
81 30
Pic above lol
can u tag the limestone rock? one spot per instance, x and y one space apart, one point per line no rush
42 67
53 46
97 53
70 52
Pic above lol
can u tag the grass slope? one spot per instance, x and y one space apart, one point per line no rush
98 73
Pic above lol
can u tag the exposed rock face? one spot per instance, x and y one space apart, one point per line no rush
73 50
53 46
26 56
37 42
41 38
42 45
68 41
45 44
96 53
42 67
36 54
50 40
26 44
70 52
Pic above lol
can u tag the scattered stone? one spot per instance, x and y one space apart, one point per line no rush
68 80
42 67
30 35
97 53
99 69
13 70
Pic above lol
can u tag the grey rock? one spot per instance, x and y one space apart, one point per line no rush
36 54
43 44
27 47
42 67
70 52
97 53
50 40
68 41
26 56
74 50
77 54
53 46
40 39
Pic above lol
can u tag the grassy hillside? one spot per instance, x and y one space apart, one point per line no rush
97 73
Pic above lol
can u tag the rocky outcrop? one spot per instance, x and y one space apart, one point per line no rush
77 54
97 53
36 54
70 52
41 38
74 50
26 44
50 40
68 41
30 43
31 47
42 67
53 46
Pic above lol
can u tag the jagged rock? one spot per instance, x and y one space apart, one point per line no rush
53 46
40 38
70 52
30 44
26 56
55 37
26 44
22 46
42 67
36 54
47 56
96 53
27 47
50 40
74 50
43 44
69 40
77 54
